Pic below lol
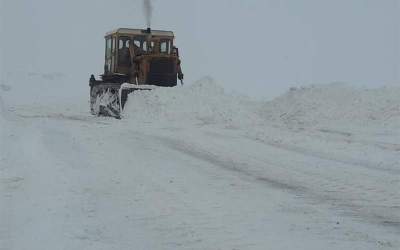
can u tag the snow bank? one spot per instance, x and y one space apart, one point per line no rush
336 102
203 102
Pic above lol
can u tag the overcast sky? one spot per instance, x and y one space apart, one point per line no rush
257 47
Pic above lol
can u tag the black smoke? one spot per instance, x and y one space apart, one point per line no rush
148 11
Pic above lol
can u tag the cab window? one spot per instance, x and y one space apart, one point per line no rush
123 52
144 47
165 46
108 47
137 43
140 42
123 42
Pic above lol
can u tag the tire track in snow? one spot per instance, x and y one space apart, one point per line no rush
325 156
250 171
227 164
349 138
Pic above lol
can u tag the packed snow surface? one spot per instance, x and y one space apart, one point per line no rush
197 167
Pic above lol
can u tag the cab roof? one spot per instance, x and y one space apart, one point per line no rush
127 31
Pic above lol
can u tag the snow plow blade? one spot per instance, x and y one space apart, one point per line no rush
109 99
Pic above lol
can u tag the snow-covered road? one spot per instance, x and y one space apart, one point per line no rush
73 181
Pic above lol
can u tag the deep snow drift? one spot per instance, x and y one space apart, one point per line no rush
339 103
316 105
203 102
195 167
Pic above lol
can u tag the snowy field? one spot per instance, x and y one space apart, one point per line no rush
195 167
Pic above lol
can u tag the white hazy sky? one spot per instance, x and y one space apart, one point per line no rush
257 47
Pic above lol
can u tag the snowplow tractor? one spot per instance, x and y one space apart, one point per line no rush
135 60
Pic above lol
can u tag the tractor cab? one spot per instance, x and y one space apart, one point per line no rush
141 56
135 60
